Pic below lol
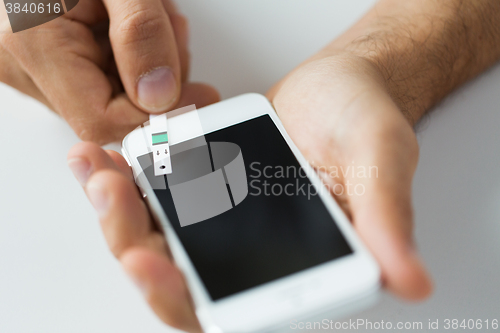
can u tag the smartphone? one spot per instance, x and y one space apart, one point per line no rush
260 242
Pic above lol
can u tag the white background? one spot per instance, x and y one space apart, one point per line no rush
56 274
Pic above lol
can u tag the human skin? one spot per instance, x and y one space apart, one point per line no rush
355 101
105 65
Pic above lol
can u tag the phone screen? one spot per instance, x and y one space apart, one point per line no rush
280 228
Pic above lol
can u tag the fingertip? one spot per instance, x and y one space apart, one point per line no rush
421 286
408 277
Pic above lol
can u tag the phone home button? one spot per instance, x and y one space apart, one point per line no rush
294 297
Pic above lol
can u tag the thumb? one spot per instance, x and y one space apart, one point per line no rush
384 221
382 214
146 53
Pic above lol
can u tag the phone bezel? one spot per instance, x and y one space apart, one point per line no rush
336 282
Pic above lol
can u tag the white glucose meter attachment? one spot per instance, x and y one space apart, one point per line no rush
159 144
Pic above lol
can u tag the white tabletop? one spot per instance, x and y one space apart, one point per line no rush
56 274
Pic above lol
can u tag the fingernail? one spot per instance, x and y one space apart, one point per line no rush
81 169
157 89
98 198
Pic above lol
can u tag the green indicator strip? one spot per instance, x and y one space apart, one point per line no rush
160 138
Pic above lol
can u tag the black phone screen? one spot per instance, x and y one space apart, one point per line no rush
281 227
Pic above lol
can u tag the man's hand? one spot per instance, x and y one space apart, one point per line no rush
104 65
130 233
338 112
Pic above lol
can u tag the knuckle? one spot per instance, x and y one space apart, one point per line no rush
4 66
116 247
90 132
173 321
6 39
85 134
141 24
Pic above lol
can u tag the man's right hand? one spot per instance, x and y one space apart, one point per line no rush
104 78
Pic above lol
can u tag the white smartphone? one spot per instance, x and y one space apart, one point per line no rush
261 245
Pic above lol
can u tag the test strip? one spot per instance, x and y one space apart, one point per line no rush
159 144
